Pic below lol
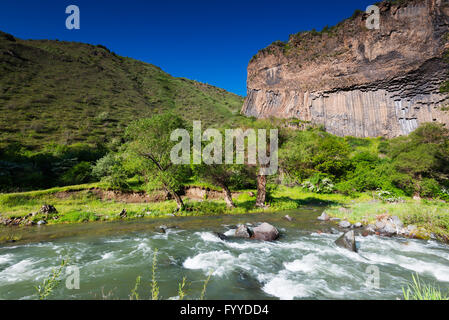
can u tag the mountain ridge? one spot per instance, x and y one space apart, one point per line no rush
67 92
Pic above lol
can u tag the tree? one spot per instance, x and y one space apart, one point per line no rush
270 152
312 152
422 155
215 168
220 175
149 141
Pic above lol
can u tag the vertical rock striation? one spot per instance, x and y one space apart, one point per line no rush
356 81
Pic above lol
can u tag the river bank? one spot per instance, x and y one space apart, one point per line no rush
88 203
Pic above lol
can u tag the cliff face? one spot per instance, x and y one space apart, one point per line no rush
356 81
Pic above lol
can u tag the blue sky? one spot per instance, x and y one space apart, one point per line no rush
209 41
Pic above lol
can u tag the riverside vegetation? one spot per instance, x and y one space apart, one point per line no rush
64 146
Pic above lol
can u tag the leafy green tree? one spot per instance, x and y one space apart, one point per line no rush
424 154
110 170
149 141
223 176
313 151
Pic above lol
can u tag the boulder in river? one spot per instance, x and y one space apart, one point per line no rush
389 229
288 218
243 231
265 232
344 224
347 241
397 222
324 217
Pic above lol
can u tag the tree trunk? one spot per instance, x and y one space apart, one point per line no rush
228 196
178 200
261 191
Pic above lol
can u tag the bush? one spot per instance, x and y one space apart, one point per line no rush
80 173
430 188
109 169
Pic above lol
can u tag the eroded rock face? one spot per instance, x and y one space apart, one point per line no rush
356 81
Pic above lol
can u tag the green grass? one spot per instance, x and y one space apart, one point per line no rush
419 290
85 206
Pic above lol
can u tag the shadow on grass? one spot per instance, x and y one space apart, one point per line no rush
286 203
309 201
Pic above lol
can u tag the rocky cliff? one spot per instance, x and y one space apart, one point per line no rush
357 81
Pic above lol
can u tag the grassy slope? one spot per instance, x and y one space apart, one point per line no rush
63 92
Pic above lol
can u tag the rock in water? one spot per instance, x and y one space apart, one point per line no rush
397 222
344 224
243 232
324 217
288 218
265 232
222 236
347 241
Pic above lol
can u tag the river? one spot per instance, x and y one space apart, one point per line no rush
304 264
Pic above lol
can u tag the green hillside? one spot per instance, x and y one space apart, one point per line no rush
65 93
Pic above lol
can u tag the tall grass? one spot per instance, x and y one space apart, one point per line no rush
154 285
181 289
51 282
419 290
203 292
134 294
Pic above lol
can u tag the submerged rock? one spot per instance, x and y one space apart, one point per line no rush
265 232
222 236
288 218
347 241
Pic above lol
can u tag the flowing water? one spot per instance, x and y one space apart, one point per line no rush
304 264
